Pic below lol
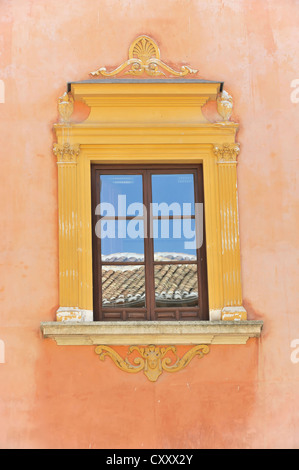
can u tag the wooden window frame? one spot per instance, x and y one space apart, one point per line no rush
151 312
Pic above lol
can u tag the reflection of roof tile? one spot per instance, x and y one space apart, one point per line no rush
174 285
136 257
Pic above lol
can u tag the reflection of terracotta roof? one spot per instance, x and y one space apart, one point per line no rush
176 285
119 257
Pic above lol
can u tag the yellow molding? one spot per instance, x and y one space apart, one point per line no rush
145 103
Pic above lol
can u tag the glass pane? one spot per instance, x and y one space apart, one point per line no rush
176 285
123 192
170 192
123 286
174 239
121 240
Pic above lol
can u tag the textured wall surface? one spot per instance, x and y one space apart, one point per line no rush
238 396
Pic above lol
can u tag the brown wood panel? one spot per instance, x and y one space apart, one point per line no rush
151 312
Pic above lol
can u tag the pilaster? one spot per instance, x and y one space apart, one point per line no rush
67 156
230 245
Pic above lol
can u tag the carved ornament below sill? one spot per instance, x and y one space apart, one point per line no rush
144 56
152 359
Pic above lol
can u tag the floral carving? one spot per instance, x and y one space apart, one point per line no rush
66 153
144 56
227 153
152 359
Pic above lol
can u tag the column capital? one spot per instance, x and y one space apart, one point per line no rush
66 153
226 153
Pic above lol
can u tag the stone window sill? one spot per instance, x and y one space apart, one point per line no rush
158 333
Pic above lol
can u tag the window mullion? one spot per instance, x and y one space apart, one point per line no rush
149 257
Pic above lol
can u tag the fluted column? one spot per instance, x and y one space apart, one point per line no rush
213 243
230 244
67 156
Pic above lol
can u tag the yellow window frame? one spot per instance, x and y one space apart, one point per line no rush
147 121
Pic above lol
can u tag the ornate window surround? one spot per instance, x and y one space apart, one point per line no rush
148 121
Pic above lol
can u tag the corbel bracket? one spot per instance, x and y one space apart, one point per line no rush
152 359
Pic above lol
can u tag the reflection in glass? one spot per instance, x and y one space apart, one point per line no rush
121 191
174 239
176 285
123 286
121 240
175 189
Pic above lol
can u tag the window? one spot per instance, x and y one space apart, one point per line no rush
135 130
149 257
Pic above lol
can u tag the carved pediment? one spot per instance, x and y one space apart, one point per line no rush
144 57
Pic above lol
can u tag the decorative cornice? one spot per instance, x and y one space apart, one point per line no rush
152 359
227 153
144 56
66 153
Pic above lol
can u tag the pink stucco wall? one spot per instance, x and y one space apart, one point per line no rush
238 396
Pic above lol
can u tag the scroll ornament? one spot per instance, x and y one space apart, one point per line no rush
144 56
152 360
